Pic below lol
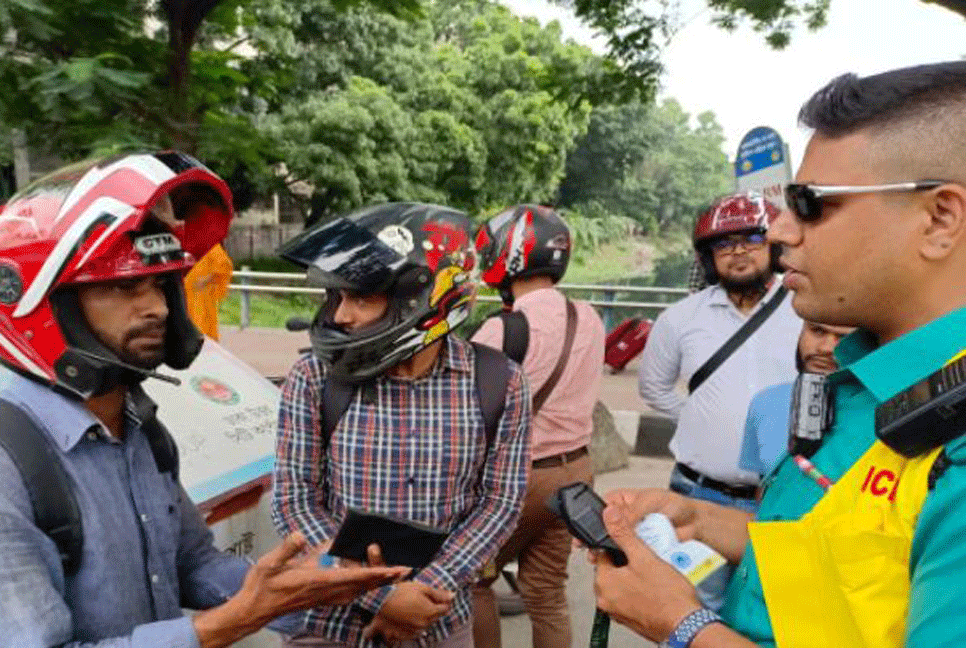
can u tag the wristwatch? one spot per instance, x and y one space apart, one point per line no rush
690 626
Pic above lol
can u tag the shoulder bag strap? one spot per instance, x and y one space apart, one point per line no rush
541 396
736 340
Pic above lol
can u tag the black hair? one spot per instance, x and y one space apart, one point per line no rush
850 103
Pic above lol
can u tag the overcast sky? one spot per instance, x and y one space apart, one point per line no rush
748 84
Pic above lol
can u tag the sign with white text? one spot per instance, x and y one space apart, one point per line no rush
223 418
762 165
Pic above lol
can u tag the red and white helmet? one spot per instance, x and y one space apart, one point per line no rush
731 214
124 216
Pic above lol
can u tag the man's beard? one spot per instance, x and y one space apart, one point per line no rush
147 361
751 286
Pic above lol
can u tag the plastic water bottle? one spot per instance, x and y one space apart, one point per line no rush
698 562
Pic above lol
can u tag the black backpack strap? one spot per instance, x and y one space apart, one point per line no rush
50 488
516 335
750 326
336 398
162 446
492 378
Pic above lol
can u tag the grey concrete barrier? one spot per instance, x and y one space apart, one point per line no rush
654 432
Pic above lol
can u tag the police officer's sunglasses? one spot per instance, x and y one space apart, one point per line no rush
805 201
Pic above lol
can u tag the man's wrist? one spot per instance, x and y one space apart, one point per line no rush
225 624
702 513
687 629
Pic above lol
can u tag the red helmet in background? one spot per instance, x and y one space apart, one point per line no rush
523 241
124 216
742 213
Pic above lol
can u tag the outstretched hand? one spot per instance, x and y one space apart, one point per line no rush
289 578
286 579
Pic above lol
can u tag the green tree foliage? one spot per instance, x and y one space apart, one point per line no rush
95 76
648 163
85 77
452 101
462 105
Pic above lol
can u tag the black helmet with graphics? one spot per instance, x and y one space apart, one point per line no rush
418 255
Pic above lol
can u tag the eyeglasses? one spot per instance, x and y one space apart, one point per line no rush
805 201
728 244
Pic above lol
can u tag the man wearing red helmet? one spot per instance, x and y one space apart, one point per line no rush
524 252
729 239
91 302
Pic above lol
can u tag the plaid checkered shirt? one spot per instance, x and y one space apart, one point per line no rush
415 449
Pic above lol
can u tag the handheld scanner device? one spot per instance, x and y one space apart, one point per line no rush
581 510
811 415
927 415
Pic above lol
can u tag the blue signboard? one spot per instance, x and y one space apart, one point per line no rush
761 148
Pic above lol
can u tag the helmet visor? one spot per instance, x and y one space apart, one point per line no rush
343 255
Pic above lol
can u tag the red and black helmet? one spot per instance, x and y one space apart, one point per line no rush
523 241
743 213
124 216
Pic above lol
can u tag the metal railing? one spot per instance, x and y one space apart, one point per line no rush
603 297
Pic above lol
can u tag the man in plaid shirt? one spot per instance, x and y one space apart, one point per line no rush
412 442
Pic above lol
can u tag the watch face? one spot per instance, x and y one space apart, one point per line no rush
11 287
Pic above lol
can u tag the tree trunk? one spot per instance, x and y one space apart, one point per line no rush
21 158
184 20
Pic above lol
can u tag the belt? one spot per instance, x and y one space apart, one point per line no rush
560 459
741 492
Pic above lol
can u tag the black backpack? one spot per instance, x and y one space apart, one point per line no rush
492 376
51 488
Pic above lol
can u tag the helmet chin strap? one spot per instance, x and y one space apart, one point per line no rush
148 373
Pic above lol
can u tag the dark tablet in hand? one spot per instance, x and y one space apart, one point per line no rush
402 542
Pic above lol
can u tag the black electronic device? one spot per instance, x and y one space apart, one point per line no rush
927 415
402 542
581 510
811 415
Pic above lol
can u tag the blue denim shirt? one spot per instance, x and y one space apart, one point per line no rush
766 429
147 551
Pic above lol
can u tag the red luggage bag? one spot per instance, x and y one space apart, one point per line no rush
625 342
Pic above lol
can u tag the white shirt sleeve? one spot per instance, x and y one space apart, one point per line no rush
660 368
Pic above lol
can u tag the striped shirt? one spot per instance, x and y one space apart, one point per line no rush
415 449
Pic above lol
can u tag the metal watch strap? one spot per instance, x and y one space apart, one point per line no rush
690 626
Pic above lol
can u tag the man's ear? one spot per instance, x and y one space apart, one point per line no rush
945 229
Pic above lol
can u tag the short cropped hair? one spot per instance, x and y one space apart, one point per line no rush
918 113
851 103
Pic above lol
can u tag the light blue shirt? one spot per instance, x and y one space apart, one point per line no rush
766 429
147 551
